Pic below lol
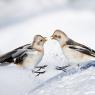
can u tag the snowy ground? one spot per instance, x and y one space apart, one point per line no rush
78 84
79 25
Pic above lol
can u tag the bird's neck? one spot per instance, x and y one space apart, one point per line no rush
38 48
62 43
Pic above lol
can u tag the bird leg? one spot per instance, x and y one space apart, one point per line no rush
41 67
63 68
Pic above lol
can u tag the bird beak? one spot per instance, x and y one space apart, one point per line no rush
45 39
52 37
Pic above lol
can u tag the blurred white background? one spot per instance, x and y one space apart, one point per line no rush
20 20
17 10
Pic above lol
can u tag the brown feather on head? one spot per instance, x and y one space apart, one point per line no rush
38 42
60 36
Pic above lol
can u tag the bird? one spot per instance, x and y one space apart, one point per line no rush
26 56
74 52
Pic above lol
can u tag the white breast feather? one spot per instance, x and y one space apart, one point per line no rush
75 57
32 59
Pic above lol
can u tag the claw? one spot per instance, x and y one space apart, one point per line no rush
38 73
41 67
62 68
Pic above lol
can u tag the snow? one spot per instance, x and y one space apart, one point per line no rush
78 25
82 83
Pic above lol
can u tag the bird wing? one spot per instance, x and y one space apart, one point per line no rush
22 55
10 56
20 58
81 48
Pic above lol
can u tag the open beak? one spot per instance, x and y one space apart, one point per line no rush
52 37
45 39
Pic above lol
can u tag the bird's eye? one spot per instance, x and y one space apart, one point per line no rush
41 40
59 36
55 35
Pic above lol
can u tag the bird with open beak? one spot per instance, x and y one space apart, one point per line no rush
75 53
27 56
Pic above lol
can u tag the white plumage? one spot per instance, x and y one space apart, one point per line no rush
74 52
27 56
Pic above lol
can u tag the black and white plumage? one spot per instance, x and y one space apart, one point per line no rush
12 57
28 55
75 53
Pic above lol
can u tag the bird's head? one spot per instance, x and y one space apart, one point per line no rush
60 36
38 42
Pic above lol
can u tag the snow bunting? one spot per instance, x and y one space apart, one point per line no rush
27 56
74 52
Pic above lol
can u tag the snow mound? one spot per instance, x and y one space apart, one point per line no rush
81 83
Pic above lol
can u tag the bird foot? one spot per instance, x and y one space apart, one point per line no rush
38 72
63 68
41 67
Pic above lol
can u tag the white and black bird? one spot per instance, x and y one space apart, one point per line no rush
27 56
75 53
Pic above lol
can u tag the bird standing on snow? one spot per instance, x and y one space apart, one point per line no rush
74 52
28 55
